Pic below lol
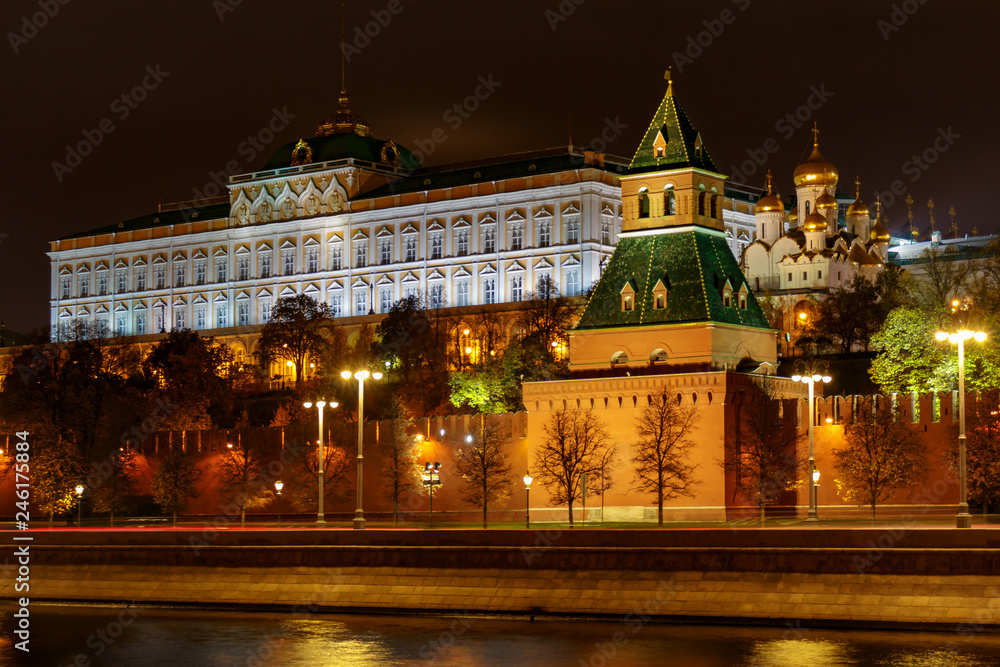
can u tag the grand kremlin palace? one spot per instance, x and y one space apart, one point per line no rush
355 222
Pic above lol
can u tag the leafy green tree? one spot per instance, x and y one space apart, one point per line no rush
414 342
909 358
485 467
175 482
296 332
484 390
574 444
662 452
880 455
760 453
849 315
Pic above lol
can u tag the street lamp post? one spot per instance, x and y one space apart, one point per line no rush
320 517
528 479
813 477
963 519
79 505
360 376
432 478
277 487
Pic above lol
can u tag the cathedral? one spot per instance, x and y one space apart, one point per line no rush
791 261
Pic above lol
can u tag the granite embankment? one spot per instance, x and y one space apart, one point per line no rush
902 577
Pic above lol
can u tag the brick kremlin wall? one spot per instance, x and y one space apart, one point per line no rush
622 399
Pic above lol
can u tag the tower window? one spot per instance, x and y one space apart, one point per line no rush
643 204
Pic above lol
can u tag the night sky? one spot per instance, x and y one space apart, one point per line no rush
896 77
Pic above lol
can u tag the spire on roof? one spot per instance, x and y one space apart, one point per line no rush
671 142
914 234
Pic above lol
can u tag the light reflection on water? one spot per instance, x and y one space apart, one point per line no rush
178 637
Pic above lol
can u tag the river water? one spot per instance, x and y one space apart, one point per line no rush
151 637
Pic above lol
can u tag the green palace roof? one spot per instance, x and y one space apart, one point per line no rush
683 147
694 265
183 214
345 145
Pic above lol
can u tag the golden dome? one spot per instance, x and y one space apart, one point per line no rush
816 170
769 203
793 215
825 201
815 222
880 234
858 207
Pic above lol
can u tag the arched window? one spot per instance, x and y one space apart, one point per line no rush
702 203
807 208
670 201
643 204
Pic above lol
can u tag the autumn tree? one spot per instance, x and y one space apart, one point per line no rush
485 467
175 482
760 453
55 470
982 450
880 455
574 443
663 451
399 453
188 381
295 332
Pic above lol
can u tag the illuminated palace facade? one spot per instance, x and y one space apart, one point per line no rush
355 222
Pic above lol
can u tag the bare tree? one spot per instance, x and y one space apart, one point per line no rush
339 457
175 481
546 314
116 482
484 466
575 441
662 453
399 455
760 453
241 472
881 454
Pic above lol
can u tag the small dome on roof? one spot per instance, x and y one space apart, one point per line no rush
815 222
